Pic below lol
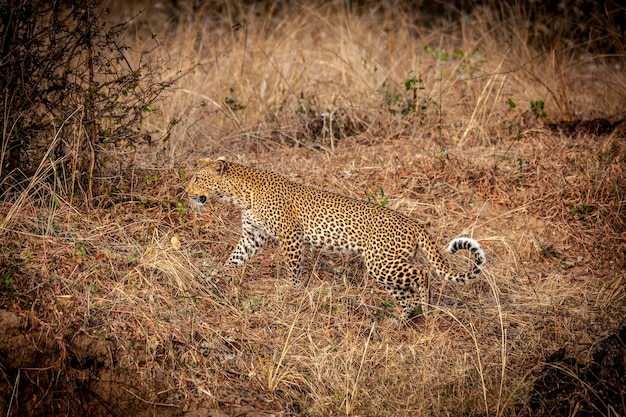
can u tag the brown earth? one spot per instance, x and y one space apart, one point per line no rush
565 387
75 373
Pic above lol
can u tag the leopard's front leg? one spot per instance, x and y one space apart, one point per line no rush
291 244
253 238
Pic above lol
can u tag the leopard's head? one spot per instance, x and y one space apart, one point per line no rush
208 181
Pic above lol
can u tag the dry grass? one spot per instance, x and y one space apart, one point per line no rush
317 86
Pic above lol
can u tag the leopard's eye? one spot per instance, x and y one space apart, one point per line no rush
202 199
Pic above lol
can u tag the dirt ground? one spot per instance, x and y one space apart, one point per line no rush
77 374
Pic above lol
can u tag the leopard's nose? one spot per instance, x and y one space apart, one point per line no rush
202 199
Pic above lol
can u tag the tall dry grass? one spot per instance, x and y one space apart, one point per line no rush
311 92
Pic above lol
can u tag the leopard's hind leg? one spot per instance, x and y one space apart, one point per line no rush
404 282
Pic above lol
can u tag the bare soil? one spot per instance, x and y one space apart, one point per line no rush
78 373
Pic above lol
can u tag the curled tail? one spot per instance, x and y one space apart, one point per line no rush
479 259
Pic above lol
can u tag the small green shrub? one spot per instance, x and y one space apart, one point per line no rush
407 101
378 196
537 108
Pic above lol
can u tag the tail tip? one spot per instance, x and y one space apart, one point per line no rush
471 245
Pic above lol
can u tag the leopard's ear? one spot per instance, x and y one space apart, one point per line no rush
221 166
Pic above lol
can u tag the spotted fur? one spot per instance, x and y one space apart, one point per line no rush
272 206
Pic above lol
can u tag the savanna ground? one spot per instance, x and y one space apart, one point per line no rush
477 123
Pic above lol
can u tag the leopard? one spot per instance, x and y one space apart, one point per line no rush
274 207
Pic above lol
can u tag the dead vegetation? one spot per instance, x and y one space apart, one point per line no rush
124 308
